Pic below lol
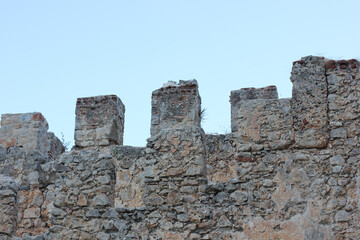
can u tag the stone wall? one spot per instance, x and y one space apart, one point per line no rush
8 200
288 169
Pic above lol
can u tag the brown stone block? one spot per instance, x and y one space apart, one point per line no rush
9 142
244 159
299 62
330 65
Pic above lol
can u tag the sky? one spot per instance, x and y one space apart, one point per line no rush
52 52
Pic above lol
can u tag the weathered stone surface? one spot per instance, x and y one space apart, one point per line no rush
8 198
29 131
130 162
309 102
82 200
55 146
263 122
99 121
288 171
269 92
101 200
175 105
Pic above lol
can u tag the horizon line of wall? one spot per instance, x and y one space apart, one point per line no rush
258 116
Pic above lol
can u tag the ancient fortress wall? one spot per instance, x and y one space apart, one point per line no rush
288 170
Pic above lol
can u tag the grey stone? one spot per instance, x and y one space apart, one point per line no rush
7 193
33 178
267 183
121 226
182 217
342 216
93 213
103 236
149 172
84 175
224 222
111 213
337 169
338 133
105 179
239 196
61 168
194 170
101 200
58 212
221 197
337 160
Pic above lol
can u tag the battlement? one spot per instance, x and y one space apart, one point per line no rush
99 121
288 169
29 131
257 115
175 105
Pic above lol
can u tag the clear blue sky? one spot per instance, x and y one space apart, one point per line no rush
52 52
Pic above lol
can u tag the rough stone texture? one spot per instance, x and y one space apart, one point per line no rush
175 105
309 102
99 121
30 170
55 146
84 188
261 118
31 147
269 92
343 78
268 179
257 116
129 164
8 198
29 131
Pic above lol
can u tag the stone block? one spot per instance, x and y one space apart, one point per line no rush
309 102
99 121
29 131
343 79
240 98
130 174
175 105
257 116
